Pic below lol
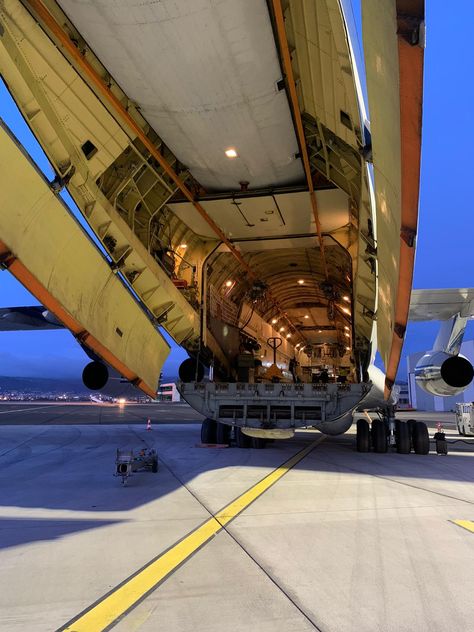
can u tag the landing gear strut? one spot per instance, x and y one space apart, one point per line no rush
391 432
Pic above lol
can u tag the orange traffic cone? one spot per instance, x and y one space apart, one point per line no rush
148 424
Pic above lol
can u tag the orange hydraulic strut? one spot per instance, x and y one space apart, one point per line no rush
40 9
20 272
410 59
285 52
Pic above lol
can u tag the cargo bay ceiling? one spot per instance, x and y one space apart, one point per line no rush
200 78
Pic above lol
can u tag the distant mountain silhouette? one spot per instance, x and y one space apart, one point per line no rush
42 385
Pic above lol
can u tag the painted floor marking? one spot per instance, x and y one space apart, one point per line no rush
465 524
21 410
112 606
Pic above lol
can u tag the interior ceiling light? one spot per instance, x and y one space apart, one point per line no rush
306 316
288 335
346 311
231 153
228 283
348 348
299 343
346 327
282 329
348 335
183 245
300 281
274 321
320 331
346 298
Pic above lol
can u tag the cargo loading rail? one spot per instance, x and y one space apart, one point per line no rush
272 405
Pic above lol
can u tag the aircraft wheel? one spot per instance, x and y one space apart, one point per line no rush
208 431
402 437
241 439
257 442
411 428
379 436
223 434
363 436
421 439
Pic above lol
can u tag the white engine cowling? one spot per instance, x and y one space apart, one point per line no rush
440 373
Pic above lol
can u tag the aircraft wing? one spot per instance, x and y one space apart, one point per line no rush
27 318
441 304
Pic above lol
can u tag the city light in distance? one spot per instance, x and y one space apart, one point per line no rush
231 153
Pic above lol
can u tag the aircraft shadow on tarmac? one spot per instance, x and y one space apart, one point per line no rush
18 531
80 479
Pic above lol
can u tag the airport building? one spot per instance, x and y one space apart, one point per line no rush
168 393
420 400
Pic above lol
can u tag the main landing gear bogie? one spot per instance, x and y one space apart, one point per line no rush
408 435
213 432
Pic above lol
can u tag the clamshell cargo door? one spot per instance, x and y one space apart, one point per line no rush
47 250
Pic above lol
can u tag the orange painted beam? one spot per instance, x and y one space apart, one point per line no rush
410 58
20 272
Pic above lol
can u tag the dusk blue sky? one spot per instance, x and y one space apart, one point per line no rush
446 225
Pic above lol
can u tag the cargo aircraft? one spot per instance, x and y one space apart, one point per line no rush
237 194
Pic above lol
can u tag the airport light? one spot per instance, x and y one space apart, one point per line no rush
231 153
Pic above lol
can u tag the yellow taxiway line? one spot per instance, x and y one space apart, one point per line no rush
465 524
126 595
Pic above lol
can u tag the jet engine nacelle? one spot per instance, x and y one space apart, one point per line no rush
440 373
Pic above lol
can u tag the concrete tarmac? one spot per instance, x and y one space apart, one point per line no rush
342 542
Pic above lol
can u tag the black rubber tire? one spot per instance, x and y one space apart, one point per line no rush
379 436
411 428
208 431
257 442
363 436
222 434
402 437
421 438
241 439
154 466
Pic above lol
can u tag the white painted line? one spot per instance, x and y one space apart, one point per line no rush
21 410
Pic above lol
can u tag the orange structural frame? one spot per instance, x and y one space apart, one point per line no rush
21 272
410 58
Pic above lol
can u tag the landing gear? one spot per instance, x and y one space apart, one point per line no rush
379 436
363 436
209 431
402 437
241 439
421 439
223 434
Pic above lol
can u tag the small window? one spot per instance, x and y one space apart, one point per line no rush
89 149
346 120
